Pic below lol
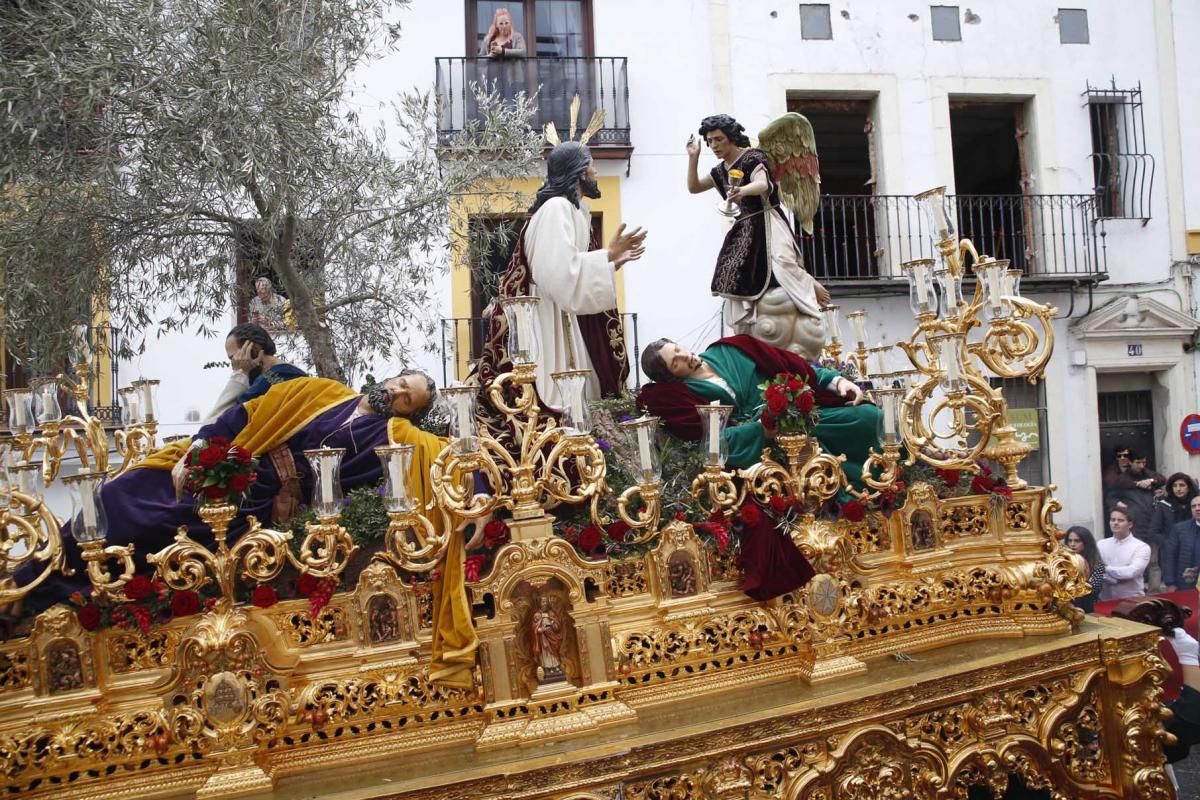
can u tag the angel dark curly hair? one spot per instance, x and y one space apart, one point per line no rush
732 129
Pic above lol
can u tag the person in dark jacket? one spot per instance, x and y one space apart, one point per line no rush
1181 554
1174 506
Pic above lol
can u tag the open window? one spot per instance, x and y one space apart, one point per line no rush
1123 170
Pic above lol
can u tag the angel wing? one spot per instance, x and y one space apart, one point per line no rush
791 149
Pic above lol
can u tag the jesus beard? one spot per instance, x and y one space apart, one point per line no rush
589 188
379 398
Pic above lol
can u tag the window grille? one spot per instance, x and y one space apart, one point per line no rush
1123 170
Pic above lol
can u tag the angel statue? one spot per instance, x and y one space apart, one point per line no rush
760 271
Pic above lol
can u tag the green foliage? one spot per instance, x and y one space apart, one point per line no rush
364 515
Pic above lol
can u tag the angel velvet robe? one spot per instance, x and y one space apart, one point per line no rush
760 250
302 414
569 280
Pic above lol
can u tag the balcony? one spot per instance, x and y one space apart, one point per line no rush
863 239
601 83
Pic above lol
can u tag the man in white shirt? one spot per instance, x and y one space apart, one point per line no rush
1125 558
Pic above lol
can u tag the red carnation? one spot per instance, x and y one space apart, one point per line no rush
219 441
777 403
185 603
854 511
617 530
141 617
240 454
804 402
307 585
264 596
589 538
239 483
139 587
774 390
215 492
767 419
794 385
473 567
681 516
496 533
751 514
950 477
778 504
89 617
211 456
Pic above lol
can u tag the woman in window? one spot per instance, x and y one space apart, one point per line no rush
501 40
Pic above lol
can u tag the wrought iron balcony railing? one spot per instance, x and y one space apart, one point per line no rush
601 83
867 237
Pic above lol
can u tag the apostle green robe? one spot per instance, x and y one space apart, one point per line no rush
846 430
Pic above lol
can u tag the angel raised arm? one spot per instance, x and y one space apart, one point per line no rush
760 270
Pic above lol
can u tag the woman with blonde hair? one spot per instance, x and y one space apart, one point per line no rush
501 40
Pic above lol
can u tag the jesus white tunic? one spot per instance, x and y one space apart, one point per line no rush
568 279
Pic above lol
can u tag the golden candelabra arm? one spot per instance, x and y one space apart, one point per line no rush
922 440
325 549
31 535
1012 348
886 465
454 492
97 556
585 456
717 487
643 524
259 555
413 543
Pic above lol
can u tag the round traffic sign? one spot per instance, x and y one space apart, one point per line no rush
1189 433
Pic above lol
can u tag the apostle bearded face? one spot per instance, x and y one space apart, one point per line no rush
589 186
401 396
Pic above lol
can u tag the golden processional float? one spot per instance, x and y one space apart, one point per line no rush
934 650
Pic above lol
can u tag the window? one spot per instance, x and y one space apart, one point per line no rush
814 21
1123 170
945 23
551 28
1073 26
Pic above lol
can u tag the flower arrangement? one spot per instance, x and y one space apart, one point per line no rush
789 405
148 602
220 472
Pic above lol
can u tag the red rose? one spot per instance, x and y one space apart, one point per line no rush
681 516
307 585
778 504
617 530
264 596
767 418
211 456
185 603
751 514
239 483
854 511
473 567
215 492
777 403
804 402
794 385
589 538
89 617
240 454
139 587
950 477
219 441
496 533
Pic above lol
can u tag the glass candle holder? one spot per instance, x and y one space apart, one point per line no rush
81 348
833 330
327 480
888 399
131 406
147 391
644 431
576 417
521 315
858 319
877 362
951 291
936 210
6 450
921 295
949 348
463 430
1012 286
993 275
46 408
88 520
20 410
397 462
26 478
713 418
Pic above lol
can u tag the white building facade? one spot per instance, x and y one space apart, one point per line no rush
1068 136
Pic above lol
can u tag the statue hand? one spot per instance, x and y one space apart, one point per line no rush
824 298
623 243
693 146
